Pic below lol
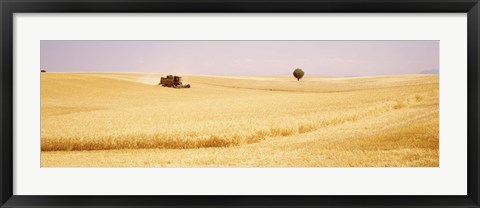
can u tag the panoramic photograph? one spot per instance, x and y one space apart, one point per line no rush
186 104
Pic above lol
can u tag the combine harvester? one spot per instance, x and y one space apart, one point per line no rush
172 81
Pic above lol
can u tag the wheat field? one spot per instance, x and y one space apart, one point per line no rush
126 120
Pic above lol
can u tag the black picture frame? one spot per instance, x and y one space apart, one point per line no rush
9 7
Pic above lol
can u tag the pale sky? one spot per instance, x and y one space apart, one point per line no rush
324 58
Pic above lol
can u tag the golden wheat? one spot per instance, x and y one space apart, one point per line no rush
252 121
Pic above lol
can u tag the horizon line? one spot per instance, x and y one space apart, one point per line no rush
257 75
